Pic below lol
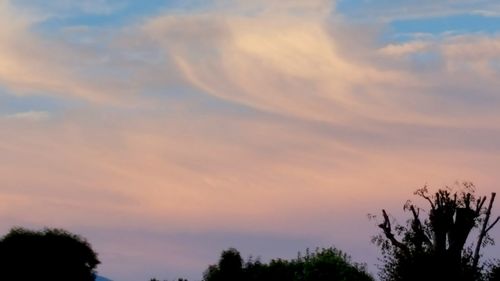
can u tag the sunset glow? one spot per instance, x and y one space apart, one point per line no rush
167 131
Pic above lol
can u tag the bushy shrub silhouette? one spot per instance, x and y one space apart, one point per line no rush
322 265
49 254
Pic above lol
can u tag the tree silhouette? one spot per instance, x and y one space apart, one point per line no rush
494 274
180 279
50 254
434 247
321 265
230 267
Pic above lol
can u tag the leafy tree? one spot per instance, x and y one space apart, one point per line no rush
434 247
230 267
50 254
332 264
180 279
322 265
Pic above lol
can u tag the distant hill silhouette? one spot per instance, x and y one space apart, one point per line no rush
100 278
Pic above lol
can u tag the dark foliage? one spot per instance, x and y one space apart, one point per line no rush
322 265
494 272
180 279
434 247
50 254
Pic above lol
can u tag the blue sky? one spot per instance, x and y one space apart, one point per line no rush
454 24
110 13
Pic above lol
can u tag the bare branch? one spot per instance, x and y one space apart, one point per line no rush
479 204
417 227
493 224
422 193
386 227
484 231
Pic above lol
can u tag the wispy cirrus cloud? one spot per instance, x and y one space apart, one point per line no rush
95 69
296 67
29 115
258 60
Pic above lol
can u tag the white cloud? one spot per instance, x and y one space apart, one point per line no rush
297 67
29 116
275 60
405 49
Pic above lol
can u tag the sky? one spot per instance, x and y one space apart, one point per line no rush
167 131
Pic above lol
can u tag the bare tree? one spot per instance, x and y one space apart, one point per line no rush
439 240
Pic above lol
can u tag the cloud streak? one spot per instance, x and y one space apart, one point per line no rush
295 67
